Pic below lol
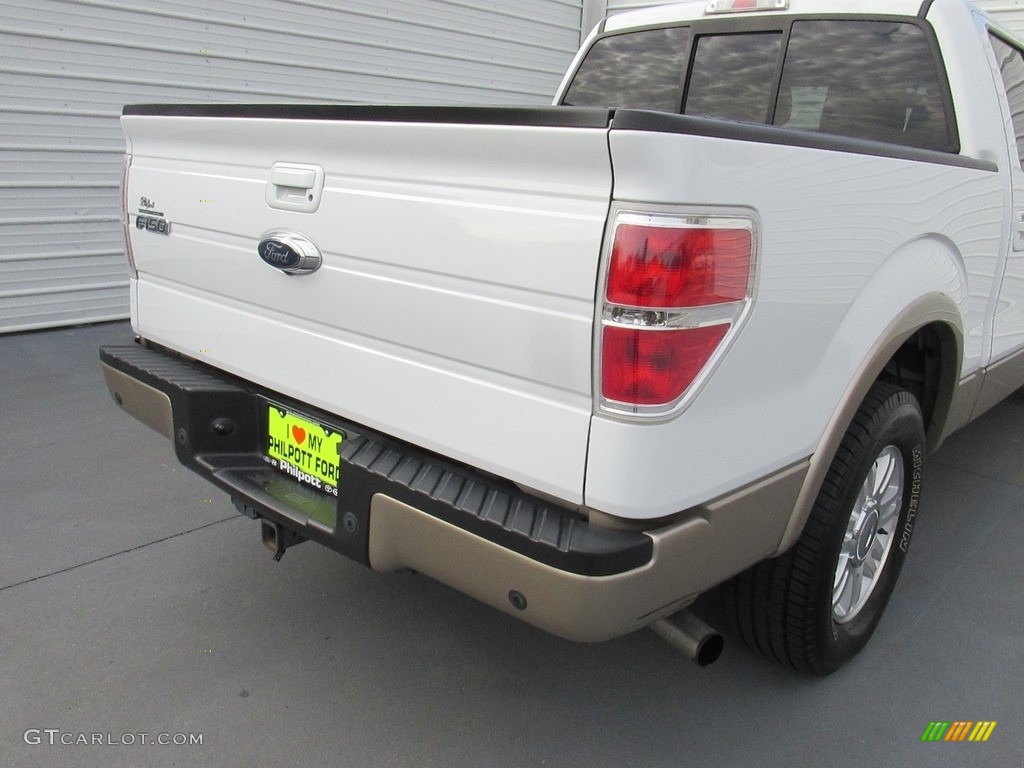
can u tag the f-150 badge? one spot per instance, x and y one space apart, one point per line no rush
156 224
150 219
290 252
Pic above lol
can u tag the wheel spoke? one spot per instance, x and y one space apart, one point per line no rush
890 498
849 547
879 545
856 586
842 572
858 508
883 470
841 600
870 567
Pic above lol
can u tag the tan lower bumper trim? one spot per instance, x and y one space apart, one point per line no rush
147 404
584 608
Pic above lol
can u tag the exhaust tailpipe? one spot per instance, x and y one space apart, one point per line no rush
688 634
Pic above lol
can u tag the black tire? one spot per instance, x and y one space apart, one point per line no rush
784 607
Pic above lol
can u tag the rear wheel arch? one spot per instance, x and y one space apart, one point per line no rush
929 327
927 364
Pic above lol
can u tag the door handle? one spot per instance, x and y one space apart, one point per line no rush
1018 230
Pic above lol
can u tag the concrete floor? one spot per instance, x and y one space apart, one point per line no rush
134 600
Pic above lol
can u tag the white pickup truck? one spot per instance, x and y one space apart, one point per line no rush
701 321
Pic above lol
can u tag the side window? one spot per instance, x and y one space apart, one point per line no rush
635 70
638 71
732 76
864 79
1011 67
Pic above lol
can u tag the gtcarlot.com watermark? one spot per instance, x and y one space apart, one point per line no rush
56 737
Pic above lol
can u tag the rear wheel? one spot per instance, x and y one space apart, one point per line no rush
816 606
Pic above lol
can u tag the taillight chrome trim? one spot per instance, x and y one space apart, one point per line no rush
734 313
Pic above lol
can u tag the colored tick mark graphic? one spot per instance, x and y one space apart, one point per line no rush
959 730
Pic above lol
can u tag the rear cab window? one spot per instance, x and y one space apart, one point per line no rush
879 79
732 76
638 70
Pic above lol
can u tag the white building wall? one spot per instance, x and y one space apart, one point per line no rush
617 6
68 66
1009 12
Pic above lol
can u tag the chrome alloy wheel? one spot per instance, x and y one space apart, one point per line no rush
870 533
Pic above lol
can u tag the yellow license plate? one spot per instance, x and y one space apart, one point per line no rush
304 449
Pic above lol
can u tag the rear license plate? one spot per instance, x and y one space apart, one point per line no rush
306 450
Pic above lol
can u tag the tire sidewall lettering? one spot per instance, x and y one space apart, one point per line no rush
917 474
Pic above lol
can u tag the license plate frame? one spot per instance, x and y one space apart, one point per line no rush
302 447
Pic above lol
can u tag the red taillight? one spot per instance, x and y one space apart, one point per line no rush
675 287
667 267
653 367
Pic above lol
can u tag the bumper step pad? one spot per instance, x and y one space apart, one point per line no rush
218 426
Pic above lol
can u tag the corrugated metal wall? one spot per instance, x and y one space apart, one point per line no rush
68 66
1009 12
617 6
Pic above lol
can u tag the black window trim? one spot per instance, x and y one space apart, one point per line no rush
784 24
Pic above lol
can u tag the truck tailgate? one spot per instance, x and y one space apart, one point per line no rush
454 307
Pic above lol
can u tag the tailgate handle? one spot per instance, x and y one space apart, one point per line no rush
295 187
290 176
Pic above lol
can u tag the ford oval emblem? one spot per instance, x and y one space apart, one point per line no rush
290 252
